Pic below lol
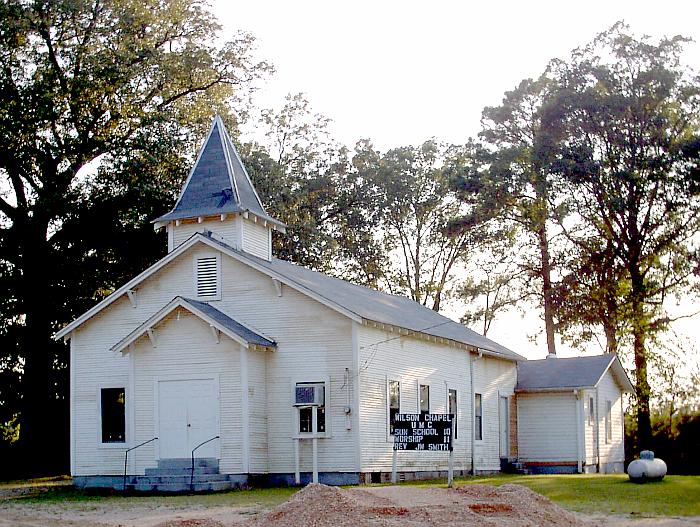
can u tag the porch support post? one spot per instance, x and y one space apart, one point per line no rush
297 474
314 442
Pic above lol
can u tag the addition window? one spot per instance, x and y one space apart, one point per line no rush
308 396
478 419
608 421
452 409
113 415
424 393
591 411
394 400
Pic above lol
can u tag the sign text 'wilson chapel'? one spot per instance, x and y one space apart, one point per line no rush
429 432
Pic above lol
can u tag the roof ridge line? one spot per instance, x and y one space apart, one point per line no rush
223 133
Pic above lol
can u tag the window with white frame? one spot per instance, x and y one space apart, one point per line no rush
113 415
452 409
608 421
591 411
307 397
208 277
393 402
478 418
424 398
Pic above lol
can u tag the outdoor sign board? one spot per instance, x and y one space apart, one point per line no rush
427 432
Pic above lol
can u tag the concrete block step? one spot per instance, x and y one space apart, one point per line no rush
180 471
186 462
213 486
198 478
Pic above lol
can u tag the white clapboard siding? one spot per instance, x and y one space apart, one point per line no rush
186 349
313 342
229 230
257 407
492 378
614 450
256 239
385 356
589 429
547 427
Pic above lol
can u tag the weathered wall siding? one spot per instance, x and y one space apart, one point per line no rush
589 430
412 362
229 229
256 239
92 370
313 341
186 349
492 378
547 427
257 404
608 390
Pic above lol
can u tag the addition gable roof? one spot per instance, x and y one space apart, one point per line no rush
356 302
209 314
218 183
574 373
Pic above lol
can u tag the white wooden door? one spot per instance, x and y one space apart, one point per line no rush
504 423
188 414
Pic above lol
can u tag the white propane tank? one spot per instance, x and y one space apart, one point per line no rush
646 468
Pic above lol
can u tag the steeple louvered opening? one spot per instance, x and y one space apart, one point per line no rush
208 277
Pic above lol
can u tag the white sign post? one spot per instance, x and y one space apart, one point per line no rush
428 432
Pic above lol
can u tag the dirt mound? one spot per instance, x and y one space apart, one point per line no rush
478 505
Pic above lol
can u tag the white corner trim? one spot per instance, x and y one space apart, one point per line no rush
245 414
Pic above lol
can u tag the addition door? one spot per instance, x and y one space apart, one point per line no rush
188 414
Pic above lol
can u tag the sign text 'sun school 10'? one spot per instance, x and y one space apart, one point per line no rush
429 432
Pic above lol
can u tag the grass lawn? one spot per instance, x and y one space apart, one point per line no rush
606 494
265 498
610 493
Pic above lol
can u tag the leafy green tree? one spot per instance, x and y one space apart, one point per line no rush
631 110
417 207
94 97
512 182
308 181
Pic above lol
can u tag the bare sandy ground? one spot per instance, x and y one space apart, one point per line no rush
508 505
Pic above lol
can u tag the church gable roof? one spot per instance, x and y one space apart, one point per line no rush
356 302
208 313
218 183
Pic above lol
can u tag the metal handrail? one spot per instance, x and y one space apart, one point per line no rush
126 458
192 468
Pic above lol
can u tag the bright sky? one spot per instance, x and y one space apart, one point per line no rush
400 72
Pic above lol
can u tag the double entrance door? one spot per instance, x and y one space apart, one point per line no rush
188 414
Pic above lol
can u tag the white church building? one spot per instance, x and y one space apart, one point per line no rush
266 372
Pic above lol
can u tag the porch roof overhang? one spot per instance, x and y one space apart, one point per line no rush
217 320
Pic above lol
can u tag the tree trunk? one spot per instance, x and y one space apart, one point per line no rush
546 275
642 390
38 428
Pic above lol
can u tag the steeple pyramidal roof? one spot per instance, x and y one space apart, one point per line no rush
218 183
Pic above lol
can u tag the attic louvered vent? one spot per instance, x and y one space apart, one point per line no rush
208 277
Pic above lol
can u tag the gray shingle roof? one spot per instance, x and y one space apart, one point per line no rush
554 374
229 323
218 183
377 306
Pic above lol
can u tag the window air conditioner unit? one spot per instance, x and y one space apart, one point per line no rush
309 395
